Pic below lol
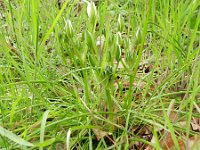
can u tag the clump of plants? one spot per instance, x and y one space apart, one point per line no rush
99 74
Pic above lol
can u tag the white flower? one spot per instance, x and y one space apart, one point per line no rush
91 10
69 28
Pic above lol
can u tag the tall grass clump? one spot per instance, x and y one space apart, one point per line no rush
99 74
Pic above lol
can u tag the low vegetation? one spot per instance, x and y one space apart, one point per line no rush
110 74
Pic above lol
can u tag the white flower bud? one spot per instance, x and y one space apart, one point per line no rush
119 38
69 28
120 23
91 10
92 14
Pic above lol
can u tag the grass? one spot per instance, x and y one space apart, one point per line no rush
104 75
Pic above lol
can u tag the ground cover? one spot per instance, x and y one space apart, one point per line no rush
115 74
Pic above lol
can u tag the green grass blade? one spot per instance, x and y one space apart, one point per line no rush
54 22
13 137
171 130
42 128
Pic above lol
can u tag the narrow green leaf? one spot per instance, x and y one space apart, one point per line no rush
54 22
42 129
46 143
13 137
171 129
